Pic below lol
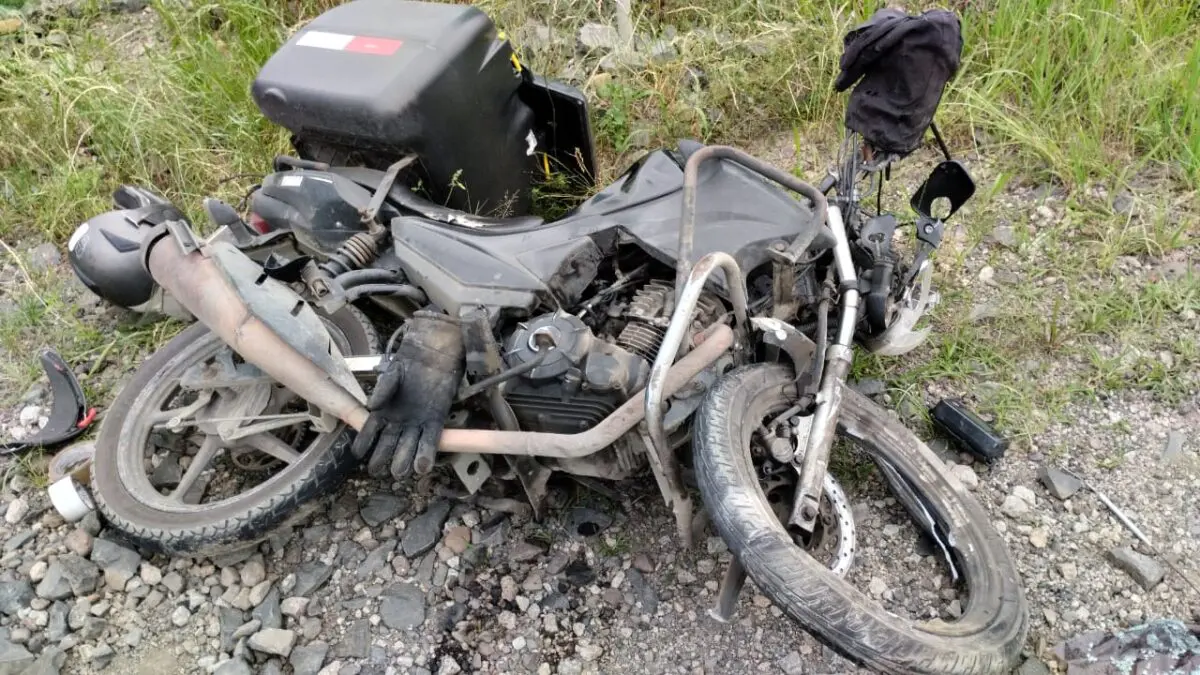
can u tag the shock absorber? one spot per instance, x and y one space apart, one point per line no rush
355 253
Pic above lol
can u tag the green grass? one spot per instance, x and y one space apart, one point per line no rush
43 313
1088 87
613 545
1078 94
85 118
1075 88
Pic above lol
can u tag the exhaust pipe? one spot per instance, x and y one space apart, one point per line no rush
201 286
204 289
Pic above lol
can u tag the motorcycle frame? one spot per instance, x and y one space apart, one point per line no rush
812 462
226 302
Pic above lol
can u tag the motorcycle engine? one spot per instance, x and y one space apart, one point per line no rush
580 380
583 378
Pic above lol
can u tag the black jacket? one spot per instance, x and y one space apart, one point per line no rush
902 64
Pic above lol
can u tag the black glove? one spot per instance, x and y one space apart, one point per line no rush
416 387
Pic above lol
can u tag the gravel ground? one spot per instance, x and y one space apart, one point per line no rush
383 582
413 582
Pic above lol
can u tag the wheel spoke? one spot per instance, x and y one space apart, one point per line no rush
203 457
273 446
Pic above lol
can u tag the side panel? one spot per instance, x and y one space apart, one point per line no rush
520 267
456 273
738 212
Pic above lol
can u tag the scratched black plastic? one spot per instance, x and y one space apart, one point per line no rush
969 431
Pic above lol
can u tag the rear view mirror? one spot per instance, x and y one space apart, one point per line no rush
947 188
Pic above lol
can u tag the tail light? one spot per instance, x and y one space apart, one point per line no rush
259 224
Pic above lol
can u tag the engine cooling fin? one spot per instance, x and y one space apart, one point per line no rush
642 339
547 412
649 312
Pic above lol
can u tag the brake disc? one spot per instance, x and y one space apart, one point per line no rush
900 336
833 540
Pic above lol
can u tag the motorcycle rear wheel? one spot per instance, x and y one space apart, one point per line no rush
987 638
127 499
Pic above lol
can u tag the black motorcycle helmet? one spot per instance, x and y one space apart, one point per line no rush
104 252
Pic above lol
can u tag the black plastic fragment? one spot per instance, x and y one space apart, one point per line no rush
587 522
69 413
578 574
973 434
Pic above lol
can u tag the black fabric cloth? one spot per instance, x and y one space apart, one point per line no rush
901 64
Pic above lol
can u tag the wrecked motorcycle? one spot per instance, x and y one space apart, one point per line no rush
694 303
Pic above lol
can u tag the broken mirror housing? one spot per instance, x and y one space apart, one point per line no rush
371 81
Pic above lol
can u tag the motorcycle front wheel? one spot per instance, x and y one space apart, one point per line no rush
985 640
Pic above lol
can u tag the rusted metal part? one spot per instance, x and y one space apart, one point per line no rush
222 373
680 326
814 462
670 483
626 457
198 284
691 176
727 595
534 478
284 312
619 423
784 301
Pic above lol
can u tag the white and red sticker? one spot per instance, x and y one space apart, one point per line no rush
349 43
